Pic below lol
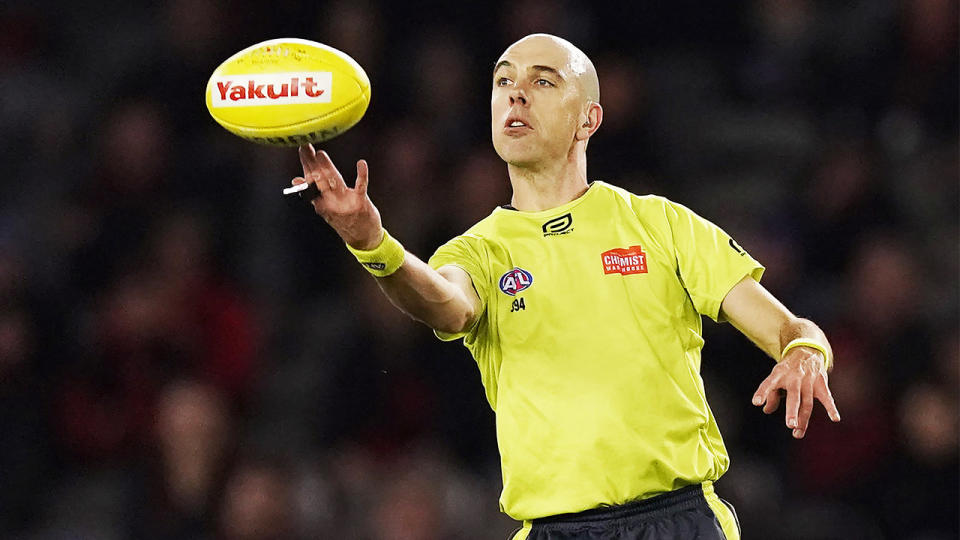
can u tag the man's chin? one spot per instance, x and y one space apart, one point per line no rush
518 157
523 163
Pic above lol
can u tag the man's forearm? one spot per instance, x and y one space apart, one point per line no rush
428 296
767 322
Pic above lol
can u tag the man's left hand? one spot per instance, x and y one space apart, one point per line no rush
802 374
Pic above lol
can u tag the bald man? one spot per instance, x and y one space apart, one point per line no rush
581 304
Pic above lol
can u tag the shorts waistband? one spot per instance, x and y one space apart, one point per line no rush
685 496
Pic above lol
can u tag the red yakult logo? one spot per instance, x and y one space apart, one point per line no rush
625 261
271 89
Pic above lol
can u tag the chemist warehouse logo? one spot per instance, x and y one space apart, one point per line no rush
624 261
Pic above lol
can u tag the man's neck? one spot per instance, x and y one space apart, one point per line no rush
548 186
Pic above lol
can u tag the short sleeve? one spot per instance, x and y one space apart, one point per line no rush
467 253
710 262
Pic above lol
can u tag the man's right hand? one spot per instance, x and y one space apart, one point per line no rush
349 211
444 300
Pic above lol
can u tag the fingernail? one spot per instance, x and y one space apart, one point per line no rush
836 418
797 434
792 422
757 400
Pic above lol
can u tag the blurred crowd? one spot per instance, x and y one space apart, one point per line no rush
185 354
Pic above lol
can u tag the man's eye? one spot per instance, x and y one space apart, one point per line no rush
543 82
502 81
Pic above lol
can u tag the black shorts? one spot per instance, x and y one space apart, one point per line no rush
683 514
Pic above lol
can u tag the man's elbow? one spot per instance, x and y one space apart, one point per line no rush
455 322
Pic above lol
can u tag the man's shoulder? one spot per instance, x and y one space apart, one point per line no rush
642 205
485 226
478 231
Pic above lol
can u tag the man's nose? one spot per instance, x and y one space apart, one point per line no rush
517 96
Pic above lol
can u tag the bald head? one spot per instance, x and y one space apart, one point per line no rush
544 104
572 63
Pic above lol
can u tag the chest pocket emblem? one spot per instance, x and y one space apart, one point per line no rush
516 280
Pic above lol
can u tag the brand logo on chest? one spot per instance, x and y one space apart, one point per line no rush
516 280
558 225
624 261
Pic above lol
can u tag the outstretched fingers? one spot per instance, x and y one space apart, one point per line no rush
308 157
318 167
806 407
761 393
802 388
793 402
772 402
768 394
363 177
822 393
328 172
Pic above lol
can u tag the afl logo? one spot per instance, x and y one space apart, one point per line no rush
515 280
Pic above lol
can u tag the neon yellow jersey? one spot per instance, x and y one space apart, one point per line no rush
589 346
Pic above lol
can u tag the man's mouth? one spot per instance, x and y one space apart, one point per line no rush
515 124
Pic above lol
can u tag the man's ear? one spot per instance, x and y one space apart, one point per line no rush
590 121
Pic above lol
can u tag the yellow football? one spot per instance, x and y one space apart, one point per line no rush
288 92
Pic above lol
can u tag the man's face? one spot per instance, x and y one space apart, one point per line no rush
536 102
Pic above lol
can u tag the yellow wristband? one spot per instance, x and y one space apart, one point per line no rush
827 357
384 259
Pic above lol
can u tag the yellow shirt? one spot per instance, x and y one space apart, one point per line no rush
589 346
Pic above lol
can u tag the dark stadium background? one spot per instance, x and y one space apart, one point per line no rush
185 354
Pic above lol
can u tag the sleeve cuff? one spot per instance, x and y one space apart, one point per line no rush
439 262
756 272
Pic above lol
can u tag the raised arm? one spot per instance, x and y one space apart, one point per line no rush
802 371
444 300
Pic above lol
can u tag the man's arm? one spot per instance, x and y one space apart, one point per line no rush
802 372
444 300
